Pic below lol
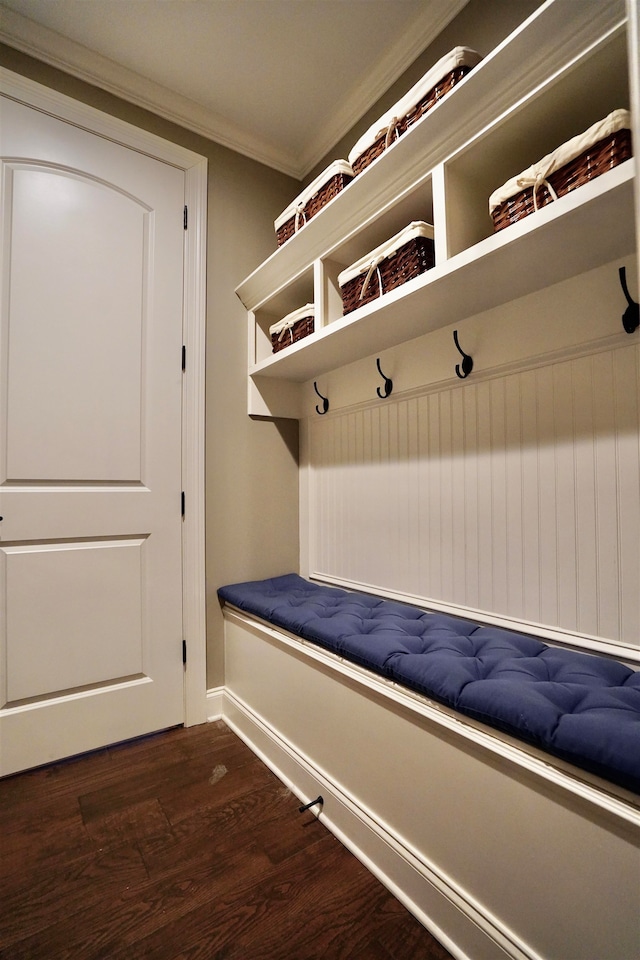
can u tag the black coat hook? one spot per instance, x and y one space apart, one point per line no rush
325 401
388 384
467 361
631 316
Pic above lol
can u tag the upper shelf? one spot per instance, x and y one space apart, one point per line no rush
558 34
591 226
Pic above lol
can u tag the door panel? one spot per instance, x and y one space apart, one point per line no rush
90 441
88 246
73 616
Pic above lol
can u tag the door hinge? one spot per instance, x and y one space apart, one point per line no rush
184 357
185 217
184 651
182 503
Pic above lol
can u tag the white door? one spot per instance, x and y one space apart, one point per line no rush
90 441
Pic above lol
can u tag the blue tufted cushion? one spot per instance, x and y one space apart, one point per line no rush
582 708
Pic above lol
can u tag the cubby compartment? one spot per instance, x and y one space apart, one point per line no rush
295 294
580 95
563 68
417 204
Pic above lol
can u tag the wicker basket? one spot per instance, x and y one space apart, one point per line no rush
312 199
405 256
602 147
424 95
295 326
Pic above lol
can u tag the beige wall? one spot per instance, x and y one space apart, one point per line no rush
251 466
480 25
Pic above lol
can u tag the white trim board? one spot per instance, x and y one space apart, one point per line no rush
194 319
215 704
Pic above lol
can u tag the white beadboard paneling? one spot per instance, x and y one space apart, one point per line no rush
627 403
606 499
565 486
585 500
517 496
530 496
413 547
547 500
496 495
514 505
485 504
472 505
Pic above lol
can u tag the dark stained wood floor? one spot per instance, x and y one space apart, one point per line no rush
184 846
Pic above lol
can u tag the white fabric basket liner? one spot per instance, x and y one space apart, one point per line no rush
338 166
291 318
535 175
458 57
418 228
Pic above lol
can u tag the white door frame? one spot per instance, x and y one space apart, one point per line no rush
194 319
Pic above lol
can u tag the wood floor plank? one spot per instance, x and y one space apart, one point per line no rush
137 821
36 842
216 829
373 950
33 904
315 919
246 910
52 781
181 781
208 788
184 845
405 941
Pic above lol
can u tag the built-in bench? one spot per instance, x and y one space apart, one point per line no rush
490 780
582 708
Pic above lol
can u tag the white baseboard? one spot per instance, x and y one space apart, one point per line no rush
429 895
215 698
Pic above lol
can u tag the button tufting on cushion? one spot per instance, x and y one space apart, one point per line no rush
580 707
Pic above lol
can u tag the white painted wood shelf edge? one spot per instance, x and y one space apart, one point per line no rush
591 226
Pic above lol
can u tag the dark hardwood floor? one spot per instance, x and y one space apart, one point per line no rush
184 845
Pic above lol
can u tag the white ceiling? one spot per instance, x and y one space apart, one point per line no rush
277 80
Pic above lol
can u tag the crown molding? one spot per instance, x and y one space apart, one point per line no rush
73 58
58 51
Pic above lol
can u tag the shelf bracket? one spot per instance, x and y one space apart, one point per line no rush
467 361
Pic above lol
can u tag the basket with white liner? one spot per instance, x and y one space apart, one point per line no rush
602 147
295 326
312 199
403 257
425 94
